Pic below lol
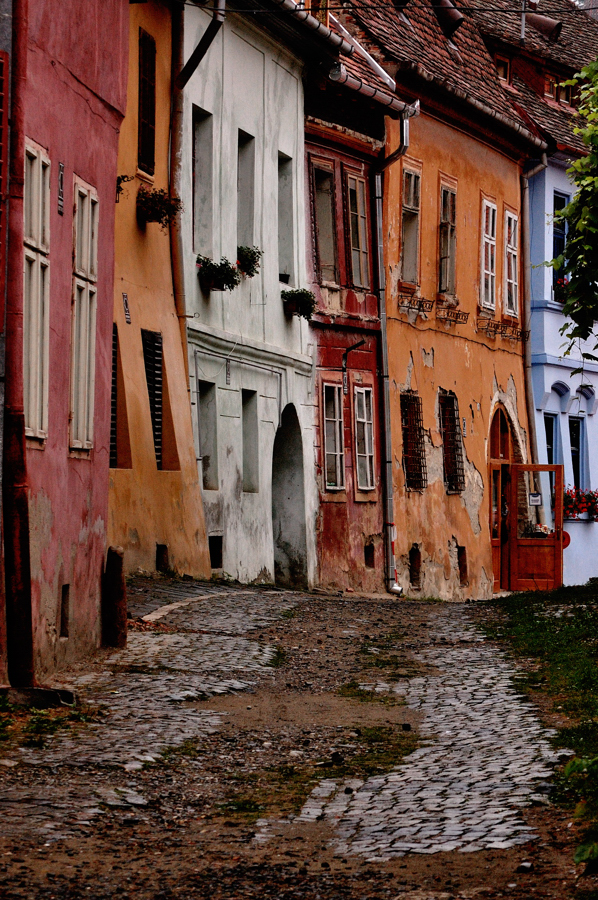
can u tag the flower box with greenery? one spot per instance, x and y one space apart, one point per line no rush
248 260
156 205
577 503
299 302
217 276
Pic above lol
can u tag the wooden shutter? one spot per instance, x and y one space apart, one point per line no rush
113 398
147 103
4 74
152 357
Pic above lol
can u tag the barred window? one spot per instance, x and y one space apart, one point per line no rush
333 437
452 443
152 357
414 453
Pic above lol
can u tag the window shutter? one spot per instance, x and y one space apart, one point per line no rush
147 103
152 357
113 398
3 170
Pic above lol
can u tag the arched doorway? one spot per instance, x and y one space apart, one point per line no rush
526 515
288 503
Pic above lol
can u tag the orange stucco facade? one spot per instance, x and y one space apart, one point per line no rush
443 545
155 514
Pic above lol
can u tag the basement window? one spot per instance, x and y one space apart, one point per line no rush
414 451
410 227
452 443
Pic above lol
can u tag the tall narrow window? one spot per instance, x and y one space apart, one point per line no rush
83 330
410 227
4 75
324 224
576 439
333 437
36 297
448 241
146 136
559 236
208 445
364 439
358 227
245 189
551 432
152 357
488 290
511 264
250 442
202 189
414 451
452 443
285 219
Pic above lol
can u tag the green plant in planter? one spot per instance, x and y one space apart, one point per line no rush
156 205
248 260
217 276
299 302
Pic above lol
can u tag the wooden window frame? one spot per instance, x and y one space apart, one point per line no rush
503 59
363 232
411 206
488 240
447 234
146 123
511 263
326 166
368 434
339 451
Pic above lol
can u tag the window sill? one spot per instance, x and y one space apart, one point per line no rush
366 496
407 287
332 495
143 176
35 443
79 453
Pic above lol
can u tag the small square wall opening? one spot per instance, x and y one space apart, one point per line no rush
369 555
215 547
65 598
462 562
415 566
162 564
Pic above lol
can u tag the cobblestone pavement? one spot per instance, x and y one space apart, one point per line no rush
486 757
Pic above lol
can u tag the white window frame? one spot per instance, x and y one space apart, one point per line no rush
338 451
367 423
84 314
488 272
36 290
358 231
511 263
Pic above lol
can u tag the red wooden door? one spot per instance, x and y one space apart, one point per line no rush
535 524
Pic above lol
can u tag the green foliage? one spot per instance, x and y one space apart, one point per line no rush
299 302
248 260
217 276
156 205
579 262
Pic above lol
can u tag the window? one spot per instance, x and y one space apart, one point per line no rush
120 445
333 437
285 219
83 326
551 431
146 135
452 443
410 227
324 224
36 291
576 439
250 442
488 295
364 439
550 86
202 190
448 241
559 237
503 68
358 228
565 94
207 421
152 357
245 189
414 453
511 264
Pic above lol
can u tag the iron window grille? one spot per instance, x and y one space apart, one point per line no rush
152 357
448 241
414 452
452 443
334 454
113 398
364 438
146 136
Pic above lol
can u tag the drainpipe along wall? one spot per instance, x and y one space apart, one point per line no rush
15 485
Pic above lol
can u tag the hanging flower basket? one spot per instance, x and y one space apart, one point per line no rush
299 302
157 206
248 260
217 276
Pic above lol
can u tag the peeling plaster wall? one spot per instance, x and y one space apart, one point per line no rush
246 83
150 506
75 102
427 354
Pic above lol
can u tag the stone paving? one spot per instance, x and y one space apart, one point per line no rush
484 757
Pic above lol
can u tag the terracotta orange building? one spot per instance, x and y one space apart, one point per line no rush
455 301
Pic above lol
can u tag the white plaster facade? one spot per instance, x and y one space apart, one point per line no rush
243 183
560 396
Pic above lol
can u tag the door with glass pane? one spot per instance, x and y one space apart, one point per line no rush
535 525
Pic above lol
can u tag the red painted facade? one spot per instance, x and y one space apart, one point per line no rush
350 536
75 102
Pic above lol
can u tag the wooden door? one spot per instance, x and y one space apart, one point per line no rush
535 526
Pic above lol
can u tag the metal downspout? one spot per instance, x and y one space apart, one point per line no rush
527 305
15 488
389 525
182 75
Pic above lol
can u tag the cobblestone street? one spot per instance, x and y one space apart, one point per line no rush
256 741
